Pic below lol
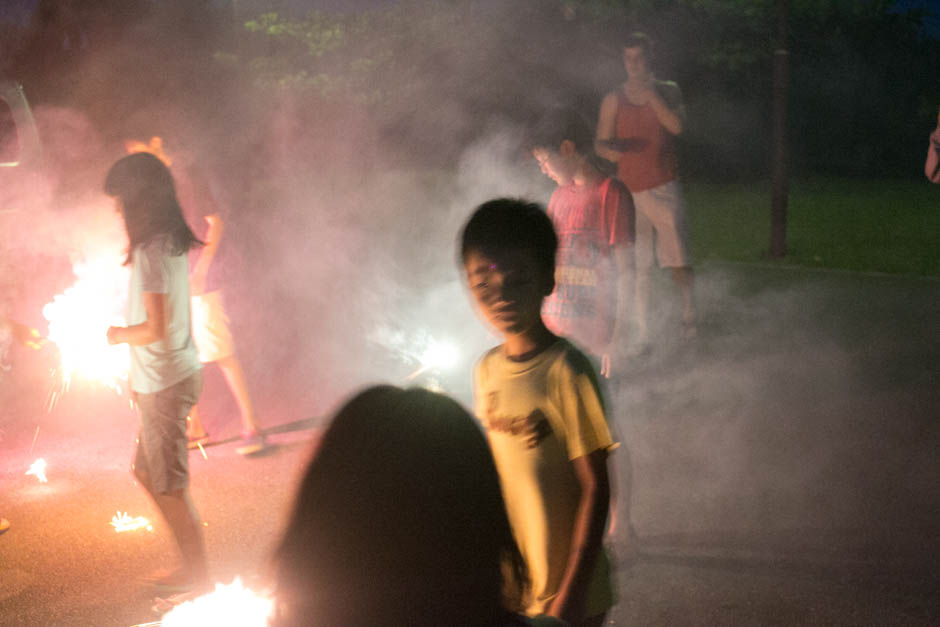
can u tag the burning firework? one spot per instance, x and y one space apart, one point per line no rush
123 522
38 470
79 318
437 356
233 604
417 348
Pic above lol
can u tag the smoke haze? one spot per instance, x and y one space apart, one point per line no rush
342 218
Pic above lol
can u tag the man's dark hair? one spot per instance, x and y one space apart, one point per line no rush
561 124
638 39
511 224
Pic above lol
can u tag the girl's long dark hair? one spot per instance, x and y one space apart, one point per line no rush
151 208
399 520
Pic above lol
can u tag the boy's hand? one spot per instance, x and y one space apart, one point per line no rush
605 365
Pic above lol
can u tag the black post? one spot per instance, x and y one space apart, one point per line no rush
778 208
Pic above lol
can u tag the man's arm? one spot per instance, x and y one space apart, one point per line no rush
148 331
606 129
587 537
932 165
666 103
200 271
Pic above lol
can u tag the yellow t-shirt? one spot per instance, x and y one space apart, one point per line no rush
552 399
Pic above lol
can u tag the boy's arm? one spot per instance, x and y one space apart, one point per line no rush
606 129
587 537
200 271
623 259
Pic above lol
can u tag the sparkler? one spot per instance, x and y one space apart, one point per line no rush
38 470
79 318
123 522
438 355
232 604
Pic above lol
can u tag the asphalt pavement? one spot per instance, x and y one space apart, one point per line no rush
783 470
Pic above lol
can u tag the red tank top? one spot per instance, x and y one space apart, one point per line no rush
650 160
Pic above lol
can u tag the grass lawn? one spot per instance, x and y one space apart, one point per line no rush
890 226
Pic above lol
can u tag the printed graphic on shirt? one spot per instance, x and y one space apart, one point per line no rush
533 427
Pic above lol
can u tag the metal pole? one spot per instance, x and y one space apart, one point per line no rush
778 208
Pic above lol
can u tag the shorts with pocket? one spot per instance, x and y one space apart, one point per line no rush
661 210
162 457
211 331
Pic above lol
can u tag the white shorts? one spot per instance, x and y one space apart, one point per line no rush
210 327
661 209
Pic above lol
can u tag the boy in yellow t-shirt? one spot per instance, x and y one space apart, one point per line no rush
538 398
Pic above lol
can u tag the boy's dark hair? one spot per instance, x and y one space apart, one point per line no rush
561 124
638 39
511 224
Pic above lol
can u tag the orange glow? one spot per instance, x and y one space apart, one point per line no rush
79 319
233 605
38 470
123 522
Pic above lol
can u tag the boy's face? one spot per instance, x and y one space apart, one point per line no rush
508 288
555 165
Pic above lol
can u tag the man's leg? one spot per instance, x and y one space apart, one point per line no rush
666 210
683 277
195 430
643 259
235 377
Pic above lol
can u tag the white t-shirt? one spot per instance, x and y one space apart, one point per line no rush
555 398
166 362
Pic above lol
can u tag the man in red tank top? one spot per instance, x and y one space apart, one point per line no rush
636 129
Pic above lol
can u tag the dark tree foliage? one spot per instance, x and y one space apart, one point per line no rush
430 75
863 89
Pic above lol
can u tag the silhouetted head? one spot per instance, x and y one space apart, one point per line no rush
399 520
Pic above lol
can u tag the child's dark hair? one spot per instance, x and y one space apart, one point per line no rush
399 520
561 124
151 208
511 224
639 39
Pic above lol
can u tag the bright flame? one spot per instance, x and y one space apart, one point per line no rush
232 605
38 470
79 319
437 356
122 522
441 355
